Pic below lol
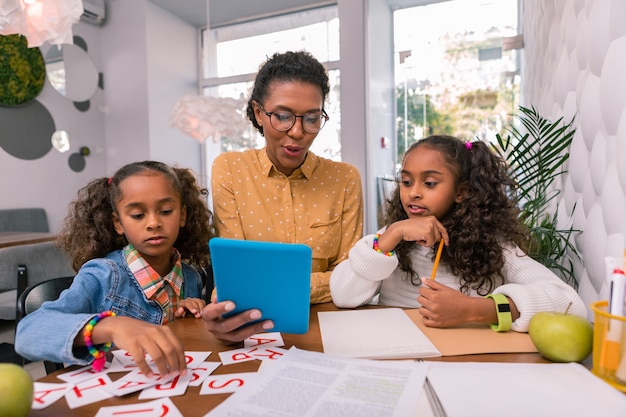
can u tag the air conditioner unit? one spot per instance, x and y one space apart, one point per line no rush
94 12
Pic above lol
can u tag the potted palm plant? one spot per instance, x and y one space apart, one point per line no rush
536 154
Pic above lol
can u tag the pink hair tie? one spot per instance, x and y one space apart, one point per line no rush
109 180
468 145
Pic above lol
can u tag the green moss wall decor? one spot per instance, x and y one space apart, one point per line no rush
22 71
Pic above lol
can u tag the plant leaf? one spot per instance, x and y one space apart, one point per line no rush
535 156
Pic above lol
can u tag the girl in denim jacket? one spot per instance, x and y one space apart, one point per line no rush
133 238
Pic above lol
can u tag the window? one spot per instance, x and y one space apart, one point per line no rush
455 73
231 56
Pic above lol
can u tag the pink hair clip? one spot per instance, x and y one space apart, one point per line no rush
109 180
468 145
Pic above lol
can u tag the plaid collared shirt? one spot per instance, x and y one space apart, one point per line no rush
167 290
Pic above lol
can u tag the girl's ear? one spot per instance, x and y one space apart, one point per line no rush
461 193
183 216
119 227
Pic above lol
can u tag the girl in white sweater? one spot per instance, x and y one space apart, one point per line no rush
459 193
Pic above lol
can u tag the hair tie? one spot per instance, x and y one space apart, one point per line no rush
110 180
468 145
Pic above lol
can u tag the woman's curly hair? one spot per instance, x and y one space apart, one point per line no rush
88 231
299 66
478 226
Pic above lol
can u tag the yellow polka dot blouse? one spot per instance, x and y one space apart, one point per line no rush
320 204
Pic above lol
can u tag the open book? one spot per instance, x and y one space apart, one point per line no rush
393 333
519 390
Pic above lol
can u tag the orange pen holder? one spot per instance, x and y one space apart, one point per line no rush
609 346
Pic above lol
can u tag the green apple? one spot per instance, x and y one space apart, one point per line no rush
561 337
16 390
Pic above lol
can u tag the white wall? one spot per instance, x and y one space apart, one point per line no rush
353 89
381 110
171 73
367 93
148 59
49 182
124 46
575 61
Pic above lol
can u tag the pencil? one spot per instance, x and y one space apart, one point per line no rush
437 258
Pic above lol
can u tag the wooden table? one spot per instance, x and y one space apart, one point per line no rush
8 239
194 337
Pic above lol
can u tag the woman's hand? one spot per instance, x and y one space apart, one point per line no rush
139 339
192 305
234 328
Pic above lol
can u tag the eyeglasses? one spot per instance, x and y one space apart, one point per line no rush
283 120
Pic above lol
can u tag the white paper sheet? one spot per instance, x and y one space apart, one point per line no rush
313 384
386 333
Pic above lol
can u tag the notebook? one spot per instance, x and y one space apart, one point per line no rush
272 277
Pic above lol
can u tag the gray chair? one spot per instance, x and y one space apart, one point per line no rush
33 297
44 261
24 220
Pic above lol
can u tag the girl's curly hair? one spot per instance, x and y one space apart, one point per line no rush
478 226
289 66
88 231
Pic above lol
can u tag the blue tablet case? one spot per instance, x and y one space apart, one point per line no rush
272 277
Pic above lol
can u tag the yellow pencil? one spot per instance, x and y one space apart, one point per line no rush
437 258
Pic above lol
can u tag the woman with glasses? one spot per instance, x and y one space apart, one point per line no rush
283 192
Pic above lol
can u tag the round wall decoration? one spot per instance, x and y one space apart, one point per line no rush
26 131
22 71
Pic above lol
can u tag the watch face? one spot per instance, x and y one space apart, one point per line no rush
504 308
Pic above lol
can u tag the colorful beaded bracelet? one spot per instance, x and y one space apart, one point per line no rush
377 249
99 355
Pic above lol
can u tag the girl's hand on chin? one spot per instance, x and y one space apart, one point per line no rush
425 231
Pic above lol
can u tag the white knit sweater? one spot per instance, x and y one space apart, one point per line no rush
367 273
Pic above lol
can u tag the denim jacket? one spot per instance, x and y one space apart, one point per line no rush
101 284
